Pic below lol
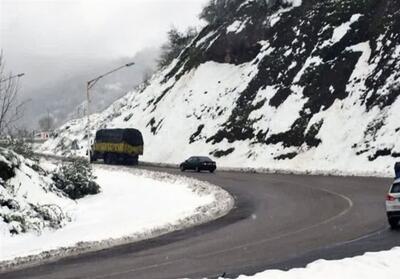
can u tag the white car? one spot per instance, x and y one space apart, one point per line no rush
393 204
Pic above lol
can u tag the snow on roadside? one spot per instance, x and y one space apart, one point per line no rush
368 266
133 205
29 201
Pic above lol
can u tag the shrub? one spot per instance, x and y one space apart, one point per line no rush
17 211
30 218
177 41
216 12
20 147
76 179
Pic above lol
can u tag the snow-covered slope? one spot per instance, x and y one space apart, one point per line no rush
309 86
29 201
133 205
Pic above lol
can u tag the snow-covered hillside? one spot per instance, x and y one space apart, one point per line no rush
38 222
29 201
309 86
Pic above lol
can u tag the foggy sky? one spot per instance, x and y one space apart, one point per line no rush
61 44
51 41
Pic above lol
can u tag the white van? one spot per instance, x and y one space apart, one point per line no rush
393 204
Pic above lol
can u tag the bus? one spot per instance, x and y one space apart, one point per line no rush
117 146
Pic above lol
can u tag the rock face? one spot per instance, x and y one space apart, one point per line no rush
305 85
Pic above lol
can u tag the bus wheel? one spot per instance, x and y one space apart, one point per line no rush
134 160
128 161
93 157
108 158
114 158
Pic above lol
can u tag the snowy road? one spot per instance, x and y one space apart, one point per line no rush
281 221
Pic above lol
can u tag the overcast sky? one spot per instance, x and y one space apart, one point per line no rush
49 39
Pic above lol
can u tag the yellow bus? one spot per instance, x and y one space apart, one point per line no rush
117 146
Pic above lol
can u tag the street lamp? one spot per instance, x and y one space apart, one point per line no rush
89 85
11 77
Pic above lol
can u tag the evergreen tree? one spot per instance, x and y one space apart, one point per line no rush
177 41
76 179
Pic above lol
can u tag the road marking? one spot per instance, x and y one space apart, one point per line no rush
349 202
258 242
385 228
118 273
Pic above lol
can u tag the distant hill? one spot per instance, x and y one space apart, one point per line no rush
65 97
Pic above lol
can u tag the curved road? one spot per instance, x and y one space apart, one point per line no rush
280 221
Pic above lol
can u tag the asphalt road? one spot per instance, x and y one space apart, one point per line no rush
280 221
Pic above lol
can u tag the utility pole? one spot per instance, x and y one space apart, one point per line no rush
48 120
89 85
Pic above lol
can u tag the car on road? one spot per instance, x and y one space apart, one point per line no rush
393 204
198 163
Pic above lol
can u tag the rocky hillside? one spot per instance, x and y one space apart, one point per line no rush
287 84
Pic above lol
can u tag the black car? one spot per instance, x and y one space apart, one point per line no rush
198 163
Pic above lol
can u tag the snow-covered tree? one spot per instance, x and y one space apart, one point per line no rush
177 41
76 179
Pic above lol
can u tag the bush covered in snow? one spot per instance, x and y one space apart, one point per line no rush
20 147
28 199
76 179
218 11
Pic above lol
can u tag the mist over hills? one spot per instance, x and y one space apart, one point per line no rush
296 85
65 96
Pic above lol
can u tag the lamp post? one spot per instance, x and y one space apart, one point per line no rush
89 85
11 77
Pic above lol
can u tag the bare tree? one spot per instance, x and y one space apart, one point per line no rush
46 123
10 110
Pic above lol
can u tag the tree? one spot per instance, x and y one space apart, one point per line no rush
10 110
177 41
209 12
76 179
46 123
217 11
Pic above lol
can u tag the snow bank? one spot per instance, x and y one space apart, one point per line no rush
294 3
369 266
29 201
134 205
